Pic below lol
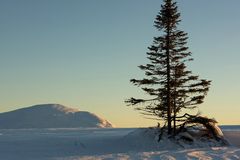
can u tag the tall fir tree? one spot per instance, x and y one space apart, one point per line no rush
171 86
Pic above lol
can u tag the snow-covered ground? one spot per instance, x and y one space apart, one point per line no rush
108 143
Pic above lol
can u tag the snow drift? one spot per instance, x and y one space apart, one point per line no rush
143 138
51 116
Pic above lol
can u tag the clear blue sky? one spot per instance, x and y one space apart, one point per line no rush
82 53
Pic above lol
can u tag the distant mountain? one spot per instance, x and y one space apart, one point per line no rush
51 116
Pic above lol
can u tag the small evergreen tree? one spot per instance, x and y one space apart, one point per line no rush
171 86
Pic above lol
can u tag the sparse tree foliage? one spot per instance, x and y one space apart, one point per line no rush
171 86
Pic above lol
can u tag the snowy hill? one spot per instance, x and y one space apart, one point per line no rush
50 116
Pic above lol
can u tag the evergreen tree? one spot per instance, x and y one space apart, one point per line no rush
171 86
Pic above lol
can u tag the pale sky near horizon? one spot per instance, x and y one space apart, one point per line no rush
82 53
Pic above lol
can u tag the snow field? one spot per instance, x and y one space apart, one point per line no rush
103 144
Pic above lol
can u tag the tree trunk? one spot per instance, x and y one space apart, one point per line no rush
174 102
174 119
169 109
